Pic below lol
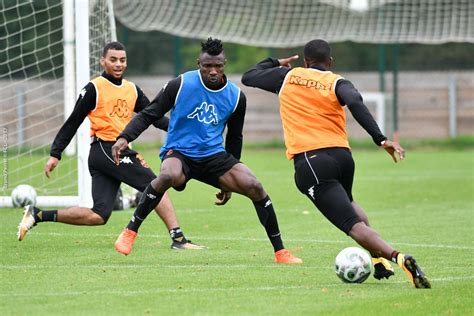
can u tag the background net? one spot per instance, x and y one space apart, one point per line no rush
32 90
288 23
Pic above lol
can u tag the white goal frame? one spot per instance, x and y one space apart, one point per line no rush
379 99
76 15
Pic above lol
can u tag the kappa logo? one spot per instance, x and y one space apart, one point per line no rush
120 109
309 83
205 113
311 192
126 160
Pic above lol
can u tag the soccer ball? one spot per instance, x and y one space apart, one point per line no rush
353 265
23 195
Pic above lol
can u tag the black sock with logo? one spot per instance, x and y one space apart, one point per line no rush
148 201
176 234
45 216
266 215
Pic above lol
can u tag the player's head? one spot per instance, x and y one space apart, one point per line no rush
114 59
317 52
211 62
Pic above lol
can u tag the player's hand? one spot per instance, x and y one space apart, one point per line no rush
117 149
394 148
222 197
285 62
50 165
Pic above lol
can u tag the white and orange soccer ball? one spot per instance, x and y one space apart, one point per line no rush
353 265
23 195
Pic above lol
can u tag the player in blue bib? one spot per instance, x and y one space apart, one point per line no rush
199 116
202 103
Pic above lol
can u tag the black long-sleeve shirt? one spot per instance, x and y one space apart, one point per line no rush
165 101
269 76
85 104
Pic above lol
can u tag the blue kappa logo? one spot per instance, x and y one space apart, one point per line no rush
205 113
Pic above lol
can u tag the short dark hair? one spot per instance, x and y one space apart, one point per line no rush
317 50
212 46
114 46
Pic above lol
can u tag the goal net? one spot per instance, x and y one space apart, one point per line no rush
38 90
289 23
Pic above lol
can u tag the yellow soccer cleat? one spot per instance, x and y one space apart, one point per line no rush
414 272
382 268
186 244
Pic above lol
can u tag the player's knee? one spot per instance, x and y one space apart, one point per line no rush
363 218
98 218
254 190
163 182
103 220
361 232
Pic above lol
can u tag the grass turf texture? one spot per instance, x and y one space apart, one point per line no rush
422 206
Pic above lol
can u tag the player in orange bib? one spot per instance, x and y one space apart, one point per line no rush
314 124
109 102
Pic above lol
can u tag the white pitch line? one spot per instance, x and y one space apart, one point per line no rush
157 265
320 241
208 290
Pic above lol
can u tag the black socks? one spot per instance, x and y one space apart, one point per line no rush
266 215
148 201
45 216
176 234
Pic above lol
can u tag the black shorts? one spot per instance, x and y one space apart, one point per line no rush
207 170
325 176
107 176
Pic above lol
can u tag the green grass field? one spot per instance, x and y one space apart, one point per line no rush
422 206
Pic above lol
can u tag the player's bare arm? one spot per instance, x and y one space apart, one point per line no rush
117 149
286 62
393 147
50 165
222 197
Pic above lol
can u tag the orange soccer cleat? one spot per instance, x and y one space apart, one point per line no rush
285 256
125 241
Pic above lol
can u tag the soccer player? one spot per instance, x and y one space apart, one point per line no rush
109 101
202 103
314 125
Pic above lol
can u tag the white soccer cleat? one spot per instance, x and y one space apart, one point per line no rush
27 222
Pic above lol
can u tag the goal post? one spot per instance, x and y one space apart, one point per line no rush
49 50
379 99
82 77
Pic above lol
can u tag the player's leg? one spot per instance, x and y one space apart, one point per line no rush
139 175
166 212
315 176
240 179
360 213
382 267
104 190
171 174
